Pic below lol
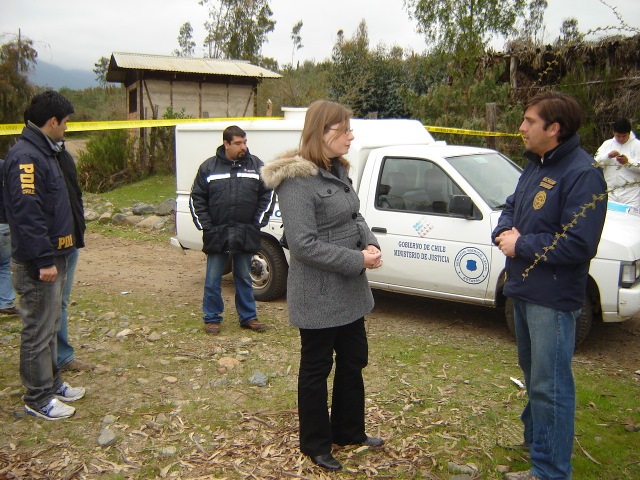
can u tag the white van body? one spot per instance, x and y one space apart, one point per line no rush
434 248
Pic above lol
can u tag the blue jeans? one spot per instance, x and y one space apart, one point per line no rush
7 293
546 339
40 307
65 350
212 303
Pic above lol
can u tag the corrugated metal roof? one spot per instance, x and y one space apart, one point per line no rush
207 66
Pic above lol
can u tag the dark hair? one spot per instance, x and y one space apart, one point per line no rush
560 108
622 125
233 131
46 105
320 116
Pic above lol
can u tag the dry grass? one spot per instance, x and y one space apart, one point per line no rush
438 390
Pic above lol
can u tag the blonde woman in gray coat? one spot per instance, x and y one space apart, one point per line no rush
328 295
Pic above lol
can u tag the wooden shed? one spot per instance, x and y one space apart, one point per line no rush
203 87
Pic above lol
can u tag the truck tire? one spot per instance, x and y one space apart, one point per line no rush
269 271
583 322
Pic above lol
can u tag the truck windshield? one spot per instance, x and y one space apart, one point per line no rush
491 174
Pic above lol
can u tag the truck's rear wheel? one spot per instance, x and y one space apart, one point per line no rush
269 271
583 322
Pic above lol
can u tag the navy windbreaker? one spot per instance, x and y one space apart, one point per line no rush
36 201
549 194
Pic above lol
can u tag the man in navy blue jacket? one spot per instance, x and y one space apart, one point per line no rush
560 183
230 204
42 237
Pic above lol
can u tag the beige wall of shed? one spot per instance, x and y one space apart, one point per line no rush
198 100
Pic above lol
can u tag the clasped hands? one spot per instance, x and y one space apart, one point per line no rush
506 242
372 257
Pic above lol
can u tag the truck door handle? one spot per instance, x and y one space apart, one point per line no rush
378 229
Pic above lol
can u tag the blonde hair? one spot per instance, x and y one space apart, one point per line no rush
321 116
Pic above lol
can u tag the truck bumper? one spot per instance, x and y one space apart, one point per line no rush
628 305
175 243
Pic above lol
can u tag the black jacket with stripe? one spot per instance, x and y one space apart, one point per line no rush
230 203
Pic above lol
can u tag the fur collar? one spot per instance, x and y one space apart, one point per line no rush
288 165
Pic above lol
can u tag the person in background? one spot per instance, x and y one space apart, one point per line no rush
42 237
7 293
620 160
558 182
66 358
328 294
230 204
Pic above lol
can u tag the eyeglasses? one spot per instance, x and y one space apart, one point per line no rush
347 132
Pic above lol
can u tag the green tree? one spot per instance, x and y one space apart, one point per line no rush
296 38
534 21
237 29
463 27
269 63
369 82
350 59
214 41
569 32
16 59
297 88
101 68
185 41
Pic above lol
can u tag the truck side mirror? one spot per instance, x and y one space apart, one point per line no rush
461 205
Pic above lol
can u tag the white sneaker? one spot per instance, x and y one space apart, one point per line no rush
67 393
54 410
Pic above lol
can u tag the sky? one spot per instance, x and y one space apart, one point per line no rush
74 34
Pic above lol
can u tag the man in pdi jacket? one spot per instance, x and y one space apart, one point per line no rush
549 231
230 204
39 216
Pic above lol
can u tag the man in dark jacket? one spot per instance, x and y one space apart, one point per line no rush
549 231
66 359
37 207
7 293
230 204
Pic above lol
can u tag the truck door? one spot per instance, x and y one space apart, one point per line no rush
426 250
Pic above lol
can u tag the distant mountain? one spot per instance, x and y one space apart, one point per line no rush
48 75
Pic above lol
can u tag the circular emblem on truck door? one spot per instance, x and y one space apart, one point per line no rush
472 265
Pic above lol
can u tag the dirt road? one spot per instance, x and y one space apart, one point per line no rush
126 265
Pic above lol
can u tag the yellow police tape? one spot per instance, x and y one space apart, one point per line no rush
16 128
462 131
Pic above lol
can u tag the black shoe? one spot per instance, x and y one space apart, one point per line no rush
373 442
327 461
9 311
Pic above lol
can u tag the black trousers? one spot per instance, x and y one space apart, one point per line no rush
345 426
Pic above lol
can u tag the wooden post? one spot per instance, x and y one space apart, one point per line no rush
492 119
513 72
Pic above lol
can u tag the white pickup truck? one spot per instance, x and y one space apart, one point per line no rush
432 207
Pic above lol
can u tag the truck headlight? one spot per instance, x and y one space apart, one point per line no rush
629 273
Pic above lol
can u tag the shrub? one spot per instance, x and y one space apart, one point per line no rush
160 150
108 162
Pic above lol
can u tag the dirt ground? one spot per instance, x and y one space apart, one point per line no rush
120 265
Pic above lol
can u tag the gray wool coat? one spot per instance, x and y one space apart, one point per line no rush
327 285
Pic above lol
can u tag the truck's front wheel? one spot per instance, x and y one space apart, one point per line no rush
269 271
583 322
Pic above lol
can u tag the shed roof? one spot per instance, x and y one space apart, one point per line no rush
121 62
